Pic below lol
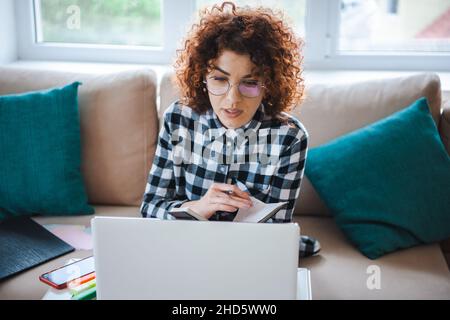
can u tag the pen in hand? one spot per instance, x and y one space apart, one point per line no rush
230 193
220 197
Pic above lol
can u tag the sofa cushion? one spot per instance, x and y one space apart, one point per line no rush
388 183
40 147
119 127
330 111
341 272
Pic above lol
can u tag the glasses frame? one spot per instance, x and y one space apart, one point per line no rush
205 81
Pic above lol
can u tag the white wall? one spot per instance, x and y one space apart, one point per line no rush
8 43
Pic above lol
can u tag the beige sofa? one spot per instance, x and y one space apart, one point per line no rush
119 126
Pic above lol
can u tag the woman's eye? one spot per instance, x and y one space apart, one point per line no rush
219 79
250 83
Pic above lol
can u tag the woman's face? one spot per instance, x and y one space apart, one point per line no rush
236 107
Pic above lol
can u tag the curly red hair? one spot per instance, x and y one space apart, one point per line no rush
259 32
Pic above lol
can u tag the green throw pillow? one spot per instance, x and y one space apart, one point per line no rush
388 184
40 154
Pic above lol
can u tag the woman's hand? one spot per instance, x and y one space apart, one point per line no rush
220 197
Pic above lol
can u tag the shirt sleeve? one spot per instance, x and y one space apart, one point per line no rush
286 182
160 192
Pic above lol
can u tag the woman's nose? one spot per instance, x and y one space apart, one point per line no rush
233 95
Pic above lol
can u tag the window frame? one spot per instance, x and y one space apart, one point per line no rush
326 55
320 54
30 49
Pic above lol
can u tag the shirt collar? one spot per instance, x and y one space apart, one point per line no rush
217 129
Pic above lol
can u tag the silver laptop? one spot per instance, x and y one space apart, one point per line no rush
137 258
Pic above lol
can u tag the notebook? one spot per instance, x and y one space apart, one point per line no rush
260 212
26 244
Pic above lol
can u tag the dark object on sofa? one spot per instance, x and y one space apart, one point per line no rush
25 244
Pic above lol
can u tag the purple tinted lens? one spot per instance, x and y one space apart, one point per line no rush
249 89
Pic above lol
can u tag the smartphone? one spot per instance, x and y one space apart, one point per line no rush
59 278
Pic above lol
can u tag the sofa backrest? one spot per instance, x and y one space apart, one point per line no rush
119 121
329 111
119 127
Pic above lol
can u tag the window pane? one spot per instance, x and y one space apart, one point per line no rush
116 22
395 25
293 10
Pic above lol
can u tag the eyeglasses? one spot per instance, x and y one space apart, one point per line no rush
218 86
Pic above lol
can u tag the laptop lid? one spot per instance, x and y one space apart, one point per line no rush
138 258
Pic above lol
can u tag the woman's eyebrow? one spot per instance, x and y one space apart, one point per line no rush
228 74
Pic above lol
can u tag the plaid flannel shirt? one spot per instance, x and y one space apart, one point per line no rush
265 158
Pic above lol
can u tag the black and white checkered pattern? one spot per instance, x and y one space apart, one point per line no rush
265 158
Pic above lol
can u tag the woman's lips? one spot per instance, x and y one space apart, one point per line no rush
232 113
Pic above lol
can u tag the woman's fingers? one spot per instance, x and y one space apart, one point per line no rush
224 207
217 199
236 202
240 193
233 188
218 203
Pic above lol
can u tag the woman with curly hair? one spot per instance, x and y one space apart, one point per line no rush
229 139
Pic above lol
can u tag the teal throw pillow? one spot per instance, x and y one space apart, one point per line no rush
387 184
40 154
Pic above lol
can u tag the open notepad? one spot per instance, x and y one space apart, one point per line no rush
259 212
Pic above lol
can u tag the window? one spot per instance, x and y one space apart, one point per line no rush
112 22
339 34
395 25
112 31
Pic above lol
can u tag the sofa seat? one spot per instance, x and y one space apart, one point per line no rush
339 272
